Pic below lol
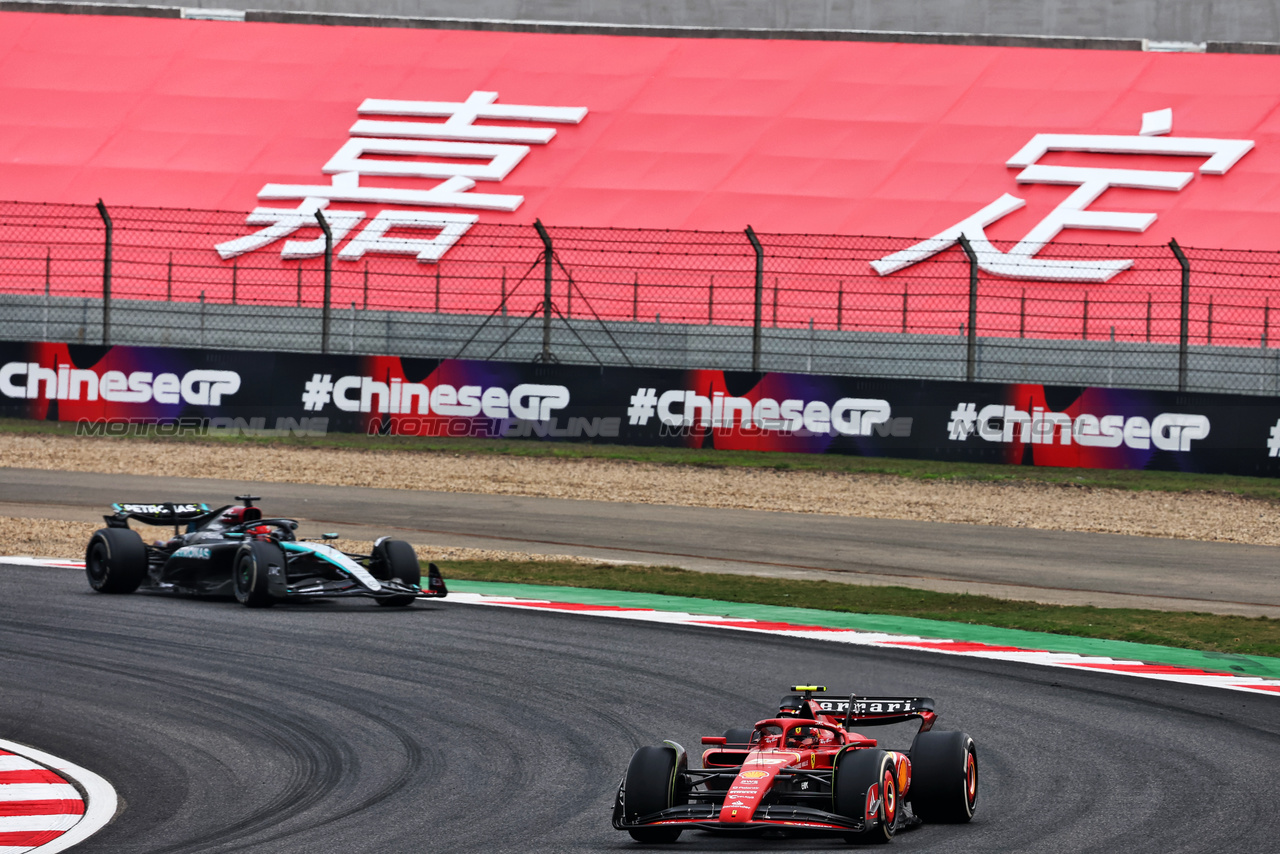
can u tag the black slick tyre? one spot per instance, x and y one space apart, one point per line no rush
738 738
252 570
396 560
652 785
944 777
865 785
115 560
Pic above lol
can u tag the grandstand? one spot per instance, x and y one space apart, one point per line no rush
839 156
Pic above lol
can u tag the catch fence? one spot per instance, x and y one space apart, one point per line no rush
1176 318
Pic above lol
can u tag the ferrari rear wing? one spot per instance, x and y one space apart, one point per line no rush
163 513
879 711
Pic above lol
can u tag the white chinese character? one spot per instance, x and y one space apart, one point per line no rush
493 150
461 119
501 159
345 186
373 238
282 222
1091 182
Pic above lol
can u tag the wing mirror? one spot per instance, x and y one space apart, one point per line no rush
714 739
329 536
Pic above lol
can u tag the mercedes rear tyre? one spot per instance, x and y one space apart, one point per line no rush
652 785
865 787
252 571
944 777
396 560
115 560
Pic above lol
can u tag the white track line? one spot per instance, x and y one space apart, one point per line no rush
100 803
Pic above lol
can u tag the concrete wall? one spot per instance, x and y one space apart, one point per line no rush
659 345
1167 20
1229 21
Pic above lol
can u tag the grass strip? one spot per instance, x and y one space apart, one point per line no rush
1158 481
1214 633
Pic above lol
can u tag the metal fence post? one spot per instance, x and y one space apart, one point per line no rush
106 275
1184 312
971 350
759 312
49 265
546 289
328 281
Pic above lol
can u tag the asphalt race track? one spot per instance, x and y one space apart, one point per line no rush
1055 566
344 727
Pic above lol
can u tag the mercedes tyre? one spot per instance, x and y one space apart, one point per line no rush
115 560
396 560
252 572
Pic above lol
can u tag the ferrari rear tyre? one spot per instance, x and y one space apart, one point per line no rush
115 560
396 559
738 737
652 785
944 777
865 784
251 573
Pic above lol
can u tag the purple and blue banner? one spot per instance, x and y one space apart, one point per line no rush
106 389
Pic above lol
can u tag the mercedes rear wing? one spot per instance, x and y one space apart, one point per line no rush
160 514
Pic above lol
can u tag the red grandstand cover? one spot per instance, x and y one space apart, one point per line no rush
789 136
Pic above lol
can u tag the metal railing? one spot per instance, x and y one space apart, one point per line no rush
1176 318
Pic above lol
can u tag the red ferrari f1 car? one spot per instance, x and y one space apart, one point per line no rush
805 770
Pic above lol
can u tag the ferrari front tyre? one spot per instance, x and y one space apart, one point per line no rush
396 560
944 777
252 570
865 787
115 560
652 785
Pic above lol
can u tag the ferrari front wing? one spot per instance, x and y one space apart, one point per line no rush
766 817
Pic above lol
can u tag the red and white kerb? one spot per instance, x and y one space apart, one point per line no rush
47 804
36 805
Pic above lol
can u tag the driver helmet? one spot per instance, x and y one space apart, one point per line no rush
802 736
260 531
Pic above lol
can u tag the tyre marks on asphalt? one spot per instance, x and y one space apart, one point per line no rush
209 714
